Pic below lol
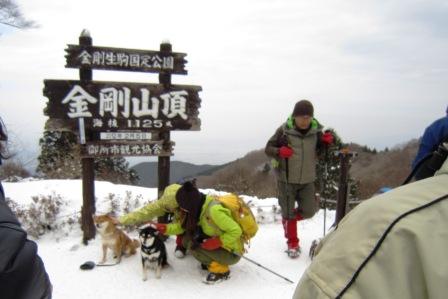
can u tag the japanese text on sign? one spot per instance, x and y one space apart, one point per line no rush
125 136
109 58
139 149
113 101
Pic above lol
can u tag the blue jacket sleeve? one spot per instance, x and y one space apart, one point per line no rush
433 135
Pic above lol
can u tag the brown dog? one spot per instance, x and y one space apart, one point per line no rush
114 238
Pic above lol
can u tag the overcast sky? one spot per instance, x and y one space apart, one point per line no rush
376 71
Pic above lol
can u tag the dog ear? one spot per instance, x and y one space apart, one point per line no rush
111 214
114 220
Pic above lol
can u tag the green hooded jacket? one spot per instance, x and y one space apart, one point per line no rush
302 163
393 245
165 204
215 221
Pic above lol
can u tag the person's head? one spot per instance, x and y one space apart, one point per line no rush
190 202
303 114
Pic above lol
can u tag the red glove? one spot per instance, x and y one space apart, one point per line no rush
327 138
285 152
211 244
161 227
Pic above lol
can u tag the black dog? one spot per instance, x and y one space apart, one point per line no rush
153 251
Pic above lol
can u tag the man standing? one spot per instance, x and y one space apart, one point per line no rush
294 147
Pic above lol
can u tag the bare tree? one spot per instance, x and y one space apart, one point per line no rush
11 15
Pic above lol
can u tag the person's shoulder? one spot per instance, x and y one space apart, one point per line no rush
171 190
439 123
283 127
315 124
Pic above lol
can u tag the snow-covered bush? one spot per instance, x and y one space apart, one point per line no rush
42 214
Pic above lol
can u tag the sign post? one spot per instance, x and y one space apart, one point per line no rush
88 172
345 155
164 162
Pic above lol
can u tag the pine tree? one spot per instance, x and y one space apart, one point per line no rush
328 171
59 158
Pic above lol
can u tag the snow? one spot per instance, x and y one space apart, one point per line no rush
63 252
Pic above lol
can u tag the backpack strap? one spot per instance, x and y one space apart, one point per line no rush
212 203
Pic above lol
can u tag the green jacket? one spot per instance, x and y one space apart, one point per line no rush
166 204
215 221
400 237
302 164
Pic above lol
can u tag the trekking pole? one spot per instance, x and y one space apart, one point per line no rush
324 184
263 267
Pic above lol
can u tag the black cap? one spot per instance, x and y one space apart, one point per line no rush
303 107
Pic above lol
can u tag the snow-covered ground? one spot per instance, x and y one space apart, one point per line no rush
63 252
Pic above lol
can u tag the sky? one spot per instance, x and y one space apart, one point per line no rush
376 71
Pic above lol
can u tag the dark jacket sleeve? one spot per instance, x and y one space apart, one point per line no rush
432 137
273 145
22 272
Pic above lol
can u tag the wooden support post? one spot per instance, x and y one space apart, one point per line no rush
88 175
164 162
342 204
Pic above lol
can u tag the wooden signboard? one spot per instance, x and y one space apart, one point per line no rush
116 119
118 59
112 106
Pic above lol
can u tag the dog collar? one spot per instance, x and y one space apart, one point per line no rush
148 249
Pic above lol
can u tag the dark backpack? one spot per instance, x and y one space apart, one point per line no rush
430 163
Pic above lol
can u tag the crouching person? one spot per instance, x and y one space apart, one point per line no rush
164 205
210 233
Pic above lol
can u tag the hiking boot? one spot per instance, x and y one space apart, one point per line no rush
293 252
213 278
180 251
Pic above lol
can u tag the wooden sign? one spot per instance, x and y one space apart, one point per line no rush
121 149
113 106
118 59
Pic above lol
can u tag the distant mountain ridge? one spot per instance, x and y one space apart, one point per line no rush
179 170
251 174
